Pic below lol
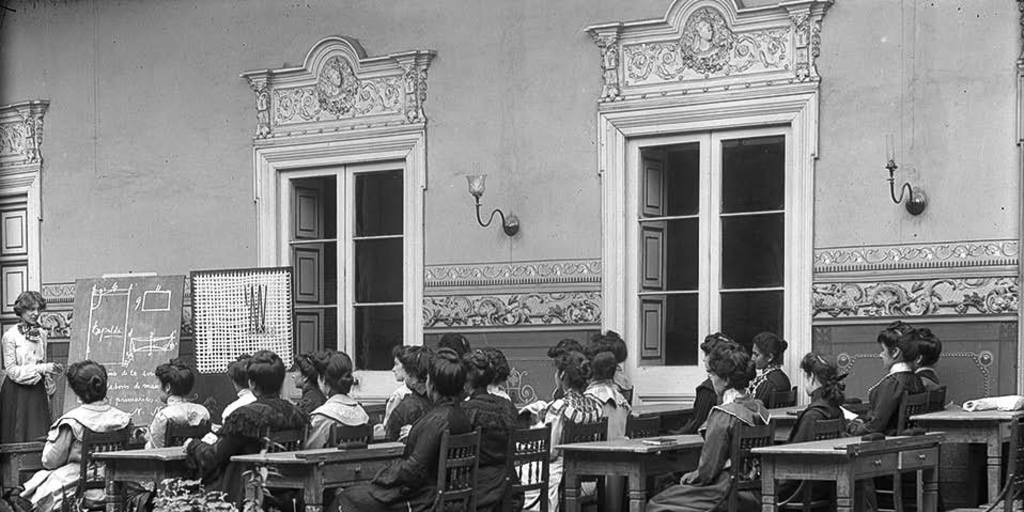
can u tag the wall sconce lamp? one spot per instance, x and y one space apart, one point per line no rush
476 187
916 198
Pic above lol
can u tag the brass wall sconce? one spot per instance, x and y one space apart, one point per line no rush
476 187
916 198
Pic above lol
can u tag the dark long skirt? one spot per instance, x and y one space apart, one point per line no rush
26 412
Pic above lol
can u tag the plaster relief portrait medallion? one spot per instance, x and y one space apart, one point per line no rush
707 42
336 86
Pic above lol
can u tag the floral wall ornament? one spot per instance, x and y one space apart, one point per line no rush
934 297
336 86
934 255
512 310
21 132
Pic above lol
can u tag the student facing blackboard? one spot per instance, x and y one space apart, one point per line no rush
25 392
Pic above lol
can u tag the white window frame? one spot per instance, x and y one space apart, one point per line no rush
625 127
404 146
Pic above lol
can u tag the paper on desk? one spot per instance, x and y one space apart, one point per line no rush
1001 403
849 415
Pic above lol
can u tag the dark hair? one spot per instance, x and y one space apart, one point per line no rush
319 360
610 341
337 371
27 300
500 364
88 379
479 369
304 363
447 374
398 350
929 348
575 369
456 342
712 340
177 375
266 372
603 366
564 346
416 362
770 344
902 336
827 373
238 370
732 363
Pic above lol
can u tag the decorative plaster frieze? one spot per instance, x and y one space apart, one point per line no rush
58 293
512 310
702 45
56 323
882 258
339 88
932 297
21 133
511 274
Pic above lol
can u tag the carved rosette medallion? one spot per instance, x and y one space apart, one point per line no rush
21 133
706 43
336 86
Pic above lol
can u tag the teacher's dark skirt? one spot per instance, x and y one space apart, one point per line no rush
26 412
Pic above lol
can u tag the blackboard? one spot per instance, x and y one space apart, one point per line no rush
130 325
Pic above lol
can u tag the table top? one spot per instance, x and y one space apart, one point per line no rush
662 408
313 457
785 414
174 453
675 443
959 415
26 447
847 446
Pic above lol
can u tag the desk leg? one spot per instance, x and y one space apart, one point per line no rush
251 495
768 484
572 486
845 490
930 499
113 490
637 489
994 460
313 494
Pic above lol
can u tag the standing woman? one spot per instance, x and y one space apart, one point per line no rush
767 355
24 395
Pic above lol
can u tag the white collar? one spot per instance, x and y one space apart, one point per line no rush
244 391
342 399
175 399
923 368
900 368
731 395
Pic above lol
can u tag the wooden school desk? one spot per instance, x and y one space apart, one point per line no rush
991 428
673 416
848 459
631 458
141 466
785 420
314 471
18 459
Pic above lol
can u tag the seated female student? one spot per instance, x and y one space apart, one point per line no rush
929 348
416 363
706 488
244 429
495 417
176 381
705 396
307 379
238 372
502 370
825 387
898 344
62 453
564 346
335 379
573 372
768 350
606 392
402 390
410 483
610 341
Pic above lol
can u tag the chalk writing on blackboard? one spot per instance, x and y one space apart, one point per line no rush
156 300
113 331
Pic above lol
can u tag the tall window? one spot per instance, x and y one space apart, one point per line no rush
346 243
711 220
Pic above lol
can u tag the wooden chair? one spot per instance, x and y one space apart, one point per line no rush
91 476
456 472
937 399
823 429
177 433
911 405
585 433
778 399
637 428
745 472
286 440
375 412
529 455
347 436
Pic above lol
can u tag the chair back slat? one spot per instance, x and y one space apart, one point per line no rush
937 399
177 433
585 432
784 398
529 455
637 428
376 413
91 474
829 429
286 440
745 472
456 472
910 405
348 436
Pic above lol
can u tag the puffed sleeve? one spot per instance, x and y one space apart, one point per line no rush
57 447
715 453
17 371
319 431
157 430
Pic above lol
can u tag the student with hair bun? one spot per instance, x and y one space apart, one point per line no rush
573 374
495 417
25 391
929 348
615 406
707 487
238 373
564 346
898 344
334 370
502 371
416 363
612 342
768 349
176 381
306 379
705 397
62 454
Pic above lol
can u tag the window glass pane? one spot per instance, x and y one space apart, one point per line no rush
745 314
683 179
378 330
681 330
753 253
753 174
379 203
682 263
378 270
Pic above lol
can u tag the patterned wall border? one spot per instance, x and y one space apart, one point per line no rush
512 310
511 274
929 297
977 253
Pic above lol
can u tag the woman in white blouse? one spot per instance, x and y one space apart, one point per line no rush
25 392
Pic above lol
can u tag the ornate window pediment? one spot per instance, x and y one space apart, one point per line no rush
710 45
21 133
339 88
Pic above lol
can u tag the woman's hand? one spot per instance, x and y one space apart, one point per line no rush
404 432
688 478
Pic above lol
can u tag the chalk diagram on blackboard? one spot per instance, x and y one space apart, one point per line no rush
116 332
